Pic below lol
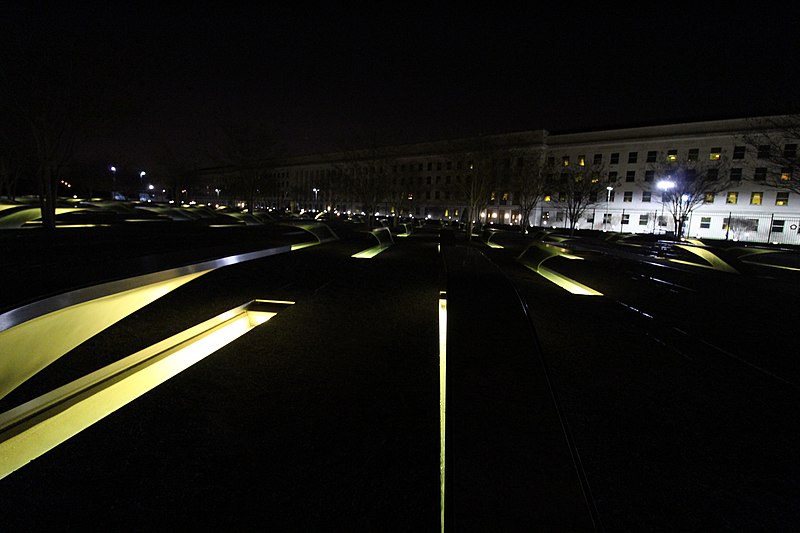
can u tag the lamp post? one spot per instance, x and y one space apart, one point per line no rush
664 185
608 199
316 191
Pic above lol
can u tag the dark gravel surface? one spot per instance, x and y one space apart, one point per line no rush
564 412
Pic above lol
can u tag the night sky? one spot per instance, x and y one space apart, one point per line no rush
327 77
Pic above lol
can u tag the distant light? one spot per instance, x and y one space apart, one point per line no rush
151 187
112 168
142 174
665 185
684 197
609 188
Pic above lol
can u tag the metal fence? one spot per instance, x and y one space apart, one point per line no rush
774 227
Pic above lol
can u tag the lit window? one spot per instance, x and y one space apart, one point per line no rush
756 197
581 160
672 155
782 198
715 154
565 161
492 197
547 198
786 174
709 198
732 198
505 197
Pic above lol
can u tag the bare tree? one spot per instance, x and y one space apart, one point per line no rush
481 177
41 103
366 177
687 184
577 187
738 226
179 172
530 184
246 147
398 194
775 142
11 166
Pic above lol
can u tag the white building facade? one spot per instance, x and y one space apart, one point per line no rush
425 180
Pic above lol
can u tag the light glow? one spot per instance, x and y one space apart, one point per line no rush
30 346
575 287
369 253
442 397
34 428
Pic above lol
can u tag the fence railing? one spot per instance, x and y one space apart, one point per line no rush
772 227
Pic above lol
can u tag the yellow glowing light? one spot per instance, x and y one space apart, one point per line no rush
566 283
27 348
302 245
32 429
714 261
442 396
369 253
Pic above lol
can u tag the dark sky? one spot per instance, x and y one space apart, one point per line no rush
326 76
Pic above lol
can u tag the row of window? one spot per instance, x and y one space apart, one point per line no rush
693 154
789 151
732 197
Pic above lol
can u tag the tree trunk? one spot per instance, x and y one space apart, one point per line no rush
48 198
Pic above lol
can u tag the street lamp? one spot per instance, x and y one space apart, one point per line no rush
608 199
664 185
316 191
